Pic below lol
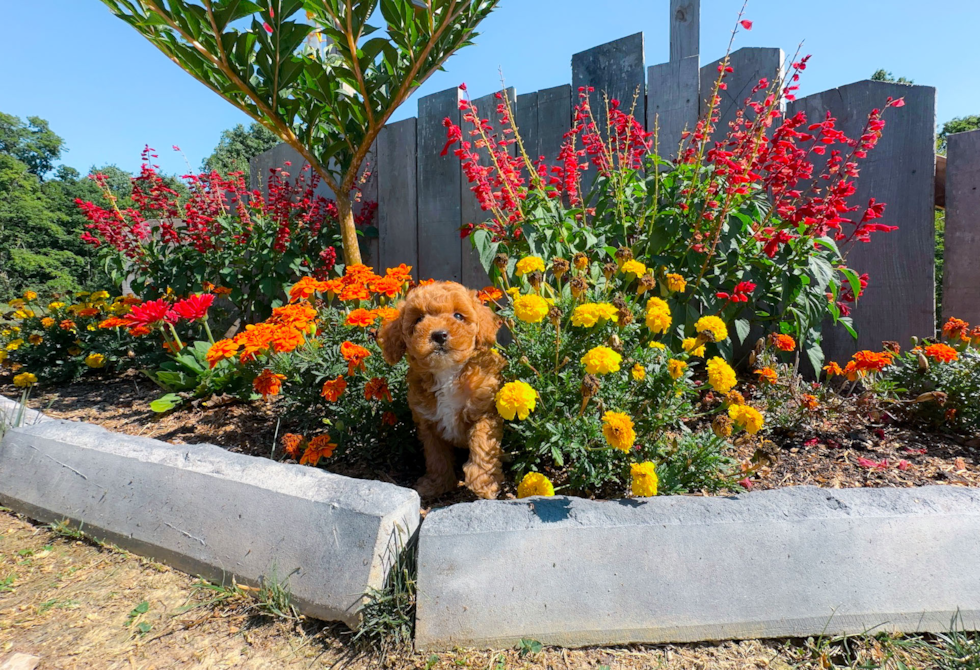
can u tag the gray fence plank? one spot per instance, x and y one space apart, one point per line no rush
899 301
616 71
750 65
368 183
554 120
673 101
473 274
961 270
685 29
438 189
397 201
526 118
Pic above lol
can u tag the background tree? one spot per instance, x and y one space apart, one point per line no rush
236 147
327 102
960 124
32 143
884 75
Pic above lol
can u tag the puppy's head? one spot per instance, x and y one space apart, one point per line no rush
439 326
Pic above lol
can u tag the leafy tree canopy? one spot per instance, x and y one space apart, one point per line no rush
32 143
884 75
237 146
960 124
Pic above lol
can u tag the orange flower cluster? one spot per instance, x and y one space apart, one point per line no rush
292 444
268 383
355 355
377 389
861 364
767 375
782 342
809 401
941 352
320 447
282 332
489 294
959 330
361 317
358 283
113 322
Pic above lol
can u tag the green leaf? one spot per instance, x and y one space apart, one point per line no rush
742 328
166 403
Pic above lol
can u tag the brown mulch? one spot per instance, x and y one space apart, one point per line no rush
842 450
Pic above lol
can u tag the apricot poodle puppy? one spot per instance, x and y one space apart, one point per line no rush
453 375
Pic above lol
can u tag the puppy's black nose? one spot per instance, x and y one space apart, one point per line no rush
440 336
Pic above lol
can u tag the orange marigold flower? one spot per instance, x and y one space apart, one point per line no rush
403 273
89 311
292 443
331 287
268 383
359 271
67 324
426 282
319 447
956 329
386 313
47 322
809 401
387 286
975 336
285 340
303 289
112 322
221 350
377 389
851 371
334 388
354 292
389 419
873 361
361 317
138 331
832 369
221 290
354 355
941 352
767 375
255 339
489 294
782 342
297 315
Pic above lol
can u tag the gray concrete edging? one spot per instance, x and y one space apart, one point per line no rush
214 513
790 562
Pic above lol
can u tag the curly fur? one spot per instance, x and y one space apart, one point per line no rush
447 336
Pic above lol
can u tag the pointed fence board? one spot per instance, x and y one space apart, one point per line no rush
961 268
526 119
473 274
397 201
685 29
750 64
439 186
616 71
554 120
368 184
673 101
899 301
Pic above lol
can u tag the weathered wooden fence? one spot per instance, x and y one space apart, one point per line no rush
424 199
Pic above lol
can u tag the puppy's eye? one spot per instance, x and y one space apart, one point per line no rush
459 317
419 319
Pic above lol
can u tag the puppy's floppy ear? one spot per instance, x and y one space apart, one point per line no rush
392 338
486 321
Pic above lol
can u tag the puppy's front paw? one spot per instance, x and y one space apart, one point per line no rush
483 483
431 486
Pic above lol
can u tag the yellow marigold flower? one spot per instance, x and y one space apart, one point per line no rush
643 479
24 380
617 428
658 315
676 368
676 283
14 345
688 345
35 339
530 264
658 345
99 295
47 322
535 484
639 372
713 325
516 398
55 305
3 355
601 360
634 267
746 417
94 360
590 313
119 308
16 303
30 295
720 375
24 313
530 308
513 291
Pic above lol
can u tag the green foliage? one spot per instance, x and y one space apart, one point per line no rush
958 380
960 124
237 146
32 143
884 75
329 103
188 375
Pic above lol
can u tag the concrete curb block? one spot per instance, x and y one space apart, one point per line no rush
14 415
207 511
788 562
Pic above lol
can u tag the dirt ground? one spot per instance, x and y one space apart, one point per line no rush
81 606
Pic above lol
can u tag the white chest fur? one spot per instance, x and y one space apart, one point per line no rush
450 402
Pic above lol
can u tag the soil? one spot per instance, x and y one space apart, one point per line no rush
77 605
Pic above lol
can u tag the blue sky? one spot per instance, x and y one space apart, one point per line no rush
108 92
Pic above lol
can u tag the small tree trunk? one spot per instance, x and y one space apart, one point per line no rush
348 234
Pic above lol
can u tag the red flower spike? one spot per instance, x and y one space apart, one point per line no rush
746 24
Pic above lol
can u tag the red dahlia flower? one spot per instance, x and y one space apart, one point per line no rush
151 312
